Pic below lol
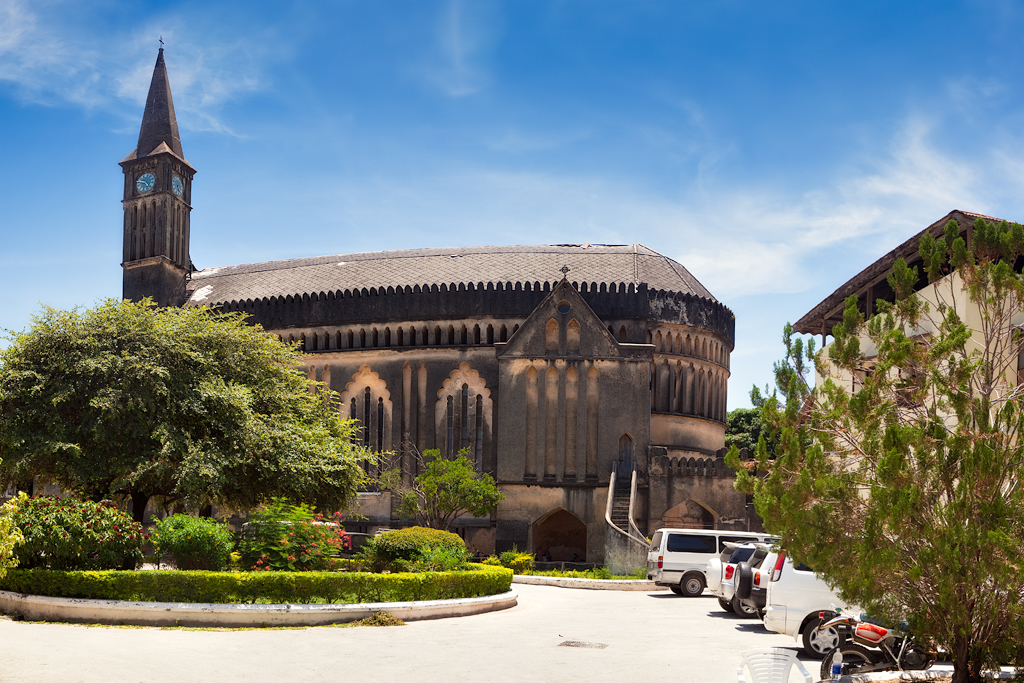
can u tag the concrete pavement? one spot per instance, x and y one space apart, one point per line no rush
648 637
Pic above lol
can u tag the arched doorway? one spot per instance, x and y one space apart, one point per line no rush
690 514
560 537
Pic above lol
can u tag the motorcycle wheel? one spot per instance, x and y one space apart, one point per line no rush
725 604
854 656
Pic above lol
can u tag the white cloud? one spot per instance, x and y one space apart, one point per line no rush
465 33
47 57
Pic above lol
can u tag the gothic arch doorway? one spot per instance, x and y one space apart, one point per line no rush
560 536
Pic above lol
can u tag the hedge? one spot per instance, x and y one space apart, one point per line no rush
259 587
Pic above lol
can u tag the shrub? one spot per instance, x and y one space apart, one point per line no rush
440 559
10 535
259 587
286 537
517 560
395 550
70 534
194 542
492 561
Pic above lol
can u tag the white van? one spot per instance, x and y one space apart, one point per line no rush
677 557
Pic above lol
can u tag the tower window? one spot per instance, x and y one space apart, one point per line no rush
380 425
464 440
366 416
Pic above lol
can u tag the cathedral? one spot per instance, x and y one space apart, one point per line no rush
589 380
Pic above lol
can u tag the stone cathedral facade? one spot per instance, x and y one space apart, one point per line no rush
557 366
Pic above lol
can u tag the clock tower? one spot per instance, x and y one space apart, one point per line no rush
157 202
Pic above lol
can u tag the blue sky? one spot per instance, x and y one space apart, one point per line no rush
775 149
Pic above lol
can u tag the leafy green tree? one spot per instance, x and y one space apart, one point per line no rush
743 426
10 534
444 490
899 476
186 404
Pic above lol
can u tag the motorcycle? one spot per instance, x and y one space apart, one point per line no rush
872 647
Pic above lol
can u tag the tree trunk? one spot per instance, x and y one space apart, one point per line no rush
139 503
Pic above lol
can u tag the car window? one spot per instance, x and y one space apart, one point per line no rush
740 555
758 557
680 543
803 568
656 541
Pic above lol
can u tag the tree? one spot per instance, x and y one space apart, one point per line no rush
186 404
10 534
445 490
899 476
743 426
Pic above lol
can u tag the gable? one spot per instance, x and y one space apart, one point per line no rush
562 325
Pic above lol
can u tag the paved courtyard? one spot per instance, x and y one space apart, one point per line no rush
649 637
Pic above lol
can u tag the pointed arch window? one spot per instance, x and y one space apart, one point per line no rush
464 437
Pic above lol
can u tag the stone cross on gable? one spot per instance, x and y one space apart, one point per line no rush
564 270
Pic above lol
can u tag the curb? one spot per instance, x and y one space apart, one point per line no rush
78 610
590 584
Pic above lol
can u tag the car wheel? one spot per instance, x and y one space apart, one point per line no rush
817 643
692 585
743 610
854 656
726 605
676 589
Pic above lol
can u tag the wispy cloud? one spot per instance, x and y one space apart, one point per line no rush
465 33
48 58
738 239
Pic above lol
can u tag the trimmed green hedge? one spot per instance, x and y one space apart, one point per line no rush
259 587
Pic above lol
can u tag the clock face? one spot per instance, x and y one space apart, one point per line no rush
177 186
145 182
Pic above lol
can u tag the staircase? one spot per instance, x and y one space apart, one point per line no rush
620 504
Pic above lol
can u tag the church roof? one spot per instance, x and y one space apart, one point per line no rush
599 263
159 125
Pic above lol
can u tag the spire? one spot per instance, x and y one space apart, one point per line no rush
158 121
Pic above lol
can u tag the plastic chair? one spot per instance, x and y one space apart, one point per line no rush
769 665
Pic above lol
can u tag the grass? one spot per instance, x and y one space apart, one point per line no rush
596 573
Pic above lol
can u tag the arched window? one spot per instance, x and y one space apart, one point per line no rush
366 417
504 334
400 337
316 342
490 334
338 340
380 424
327 341
463 336
425 337
476 334
622 334
451 335
387 336
437 336
375 338
551 336
515 329
479 449
362 338
464 437
450 425
302 342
